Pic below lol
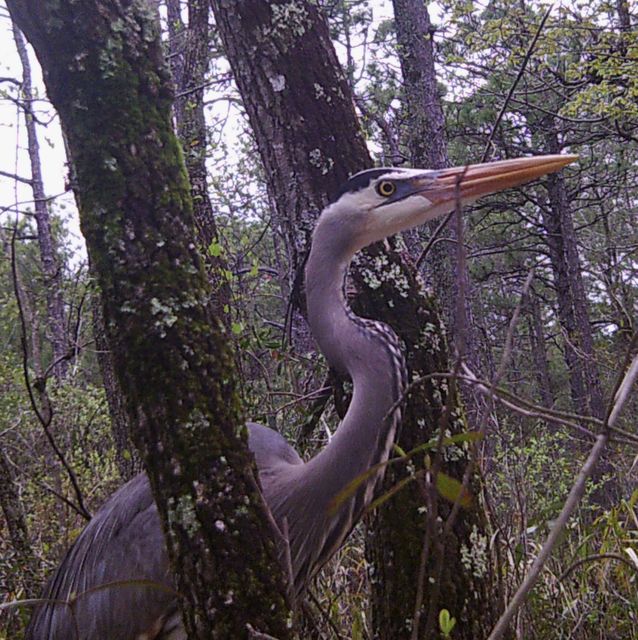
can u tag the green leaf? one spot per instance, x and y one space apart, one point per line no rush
237 328
453 490
466 436
399 450
215 249
349 490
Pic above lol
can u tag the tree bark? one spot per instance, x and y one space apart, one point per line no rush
304 164
624 17
309 139
191 67
572 300
425 120
128 458
176 47
539 354
426 138
105 74
56 322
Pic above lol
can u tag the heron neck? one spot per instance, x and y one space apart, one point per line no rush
369 352
310 497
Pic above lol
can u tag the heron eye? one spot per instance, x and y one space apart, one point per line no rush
386 188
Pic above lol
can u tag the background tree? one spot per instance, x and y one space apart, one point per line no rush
310 141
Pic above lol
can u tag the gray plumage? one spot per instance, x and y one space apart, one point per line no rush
88 599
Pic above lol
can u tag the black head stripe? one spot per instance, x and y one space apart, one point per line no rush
362 180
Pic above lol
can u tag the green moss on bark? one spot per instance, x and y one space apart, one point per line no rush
105 74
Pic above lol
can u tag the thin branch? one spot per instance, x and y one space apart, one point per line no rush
308 396
595 557
521 71
518 404
45 421
382 123
325 616
13 176
253 634
437 539
571 503
433 239
509 339
13 81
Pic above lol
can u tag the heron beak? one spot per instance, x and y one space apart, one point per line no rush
467 184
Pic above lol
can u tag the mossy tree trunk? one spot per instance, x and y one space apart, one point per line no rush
301 111
105 74
469 594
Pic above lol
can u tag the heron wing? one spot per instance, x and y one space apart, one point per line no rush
115 581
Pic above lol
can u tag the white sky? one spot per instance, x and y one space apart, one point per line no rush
13 156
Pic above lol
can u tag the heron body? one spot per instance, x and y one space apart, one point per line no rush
116 583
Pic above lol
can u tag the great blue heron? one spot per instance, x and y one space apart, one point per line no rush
124 542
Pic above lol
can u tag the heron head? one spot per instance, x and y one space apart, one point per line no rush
378 203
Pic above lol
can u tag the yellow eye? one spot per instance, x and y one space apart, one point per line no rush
386 188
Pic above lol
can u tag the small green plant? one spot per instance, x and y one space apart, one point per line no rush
446 623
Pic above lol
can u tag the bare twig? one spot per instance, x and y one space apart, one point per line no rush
325 616
436 538
520 405
383 124
253 634
576 493
433 238
509 339
308 396
13 176
595 557
521 71
45 420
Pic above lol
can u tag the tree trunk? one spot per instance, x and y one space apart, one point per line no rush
539 354
191 130
104 69
624 17
425 120
176 48
303 163
428 148
310 141
427 142
573 314
128 459
572 300
56 323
